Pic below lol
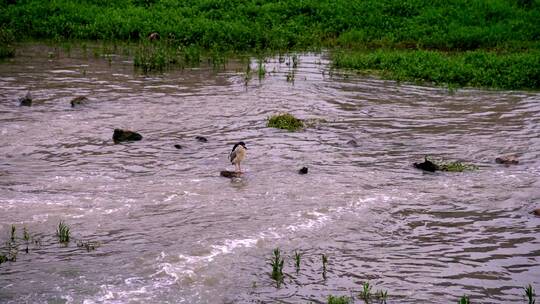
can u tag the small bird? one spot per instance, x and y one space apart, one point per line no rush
237 155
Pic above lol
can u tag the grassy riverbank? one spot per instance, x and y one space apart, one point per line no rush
505 32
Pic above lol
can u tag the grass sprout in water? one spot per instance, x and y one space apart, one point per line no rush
324 263
365 294
277 267
297 258
529 293
63 232
13 229
464 300
338 300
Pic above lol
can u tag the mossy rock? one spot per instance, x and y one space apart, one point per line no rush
285 121
433 165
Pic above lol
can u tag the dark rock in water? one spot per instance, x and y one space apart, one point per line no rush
427 165
120 135
78 101
507 160
536 212
304 170
352 143
201 138
26 100
230 174
178 146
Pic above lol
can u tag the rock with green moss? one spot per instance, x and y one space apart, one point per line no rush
285 121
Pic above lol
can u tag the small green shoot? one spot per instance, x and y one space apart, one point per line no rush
464 300
382 295
297 258
529 292
324 263
285 121
338 300
277 267
63 232
13 229
261 70
26 235
365 294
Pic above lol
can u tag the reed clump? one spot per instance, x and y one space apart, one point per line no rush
285 121
63 232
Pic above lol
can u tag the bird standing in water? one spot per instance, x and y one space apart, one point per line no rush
238 154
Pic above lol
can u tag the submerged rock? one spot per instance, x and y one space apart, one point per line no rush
536 212
120 135
427 165
352 143
230 174
26 100
178 146
507 160
201 138
304 170
79 100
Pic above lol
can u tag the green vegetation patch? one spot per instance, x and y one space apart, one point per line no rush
6 43
339 300
520 70
452 166
285 121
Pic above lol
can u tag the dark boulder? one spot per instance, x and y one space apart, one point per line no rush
120 135
536 212
352 143
201 139
507 160
230 174
178 146
79 100
304 170
26 101
427 165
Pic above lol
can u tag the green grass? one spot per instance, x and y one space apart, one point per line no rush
297 260
338 300
63 233
277 267
506 70
452 166
285 121
486 43
464 300
529 293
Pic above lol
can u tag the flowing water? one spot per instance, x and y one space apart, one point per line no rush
171 230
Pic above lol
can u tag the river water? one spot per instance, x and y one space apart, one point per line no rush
171 230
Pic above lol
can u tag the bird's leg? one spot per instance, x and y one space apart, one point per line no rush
239 169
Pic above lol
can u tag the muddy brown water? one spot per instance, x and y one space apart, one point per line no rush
171 230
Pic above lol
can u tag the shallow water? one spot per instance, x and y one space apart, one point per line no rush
172 230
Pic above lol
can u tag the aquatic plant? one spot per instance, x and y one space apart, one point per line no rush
63 233
451 166
297 258
338 300
88 245
285 121
529 293
26 235
261 70
365 294
277 267
324 263
382 296
6 43
464 300
13 233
